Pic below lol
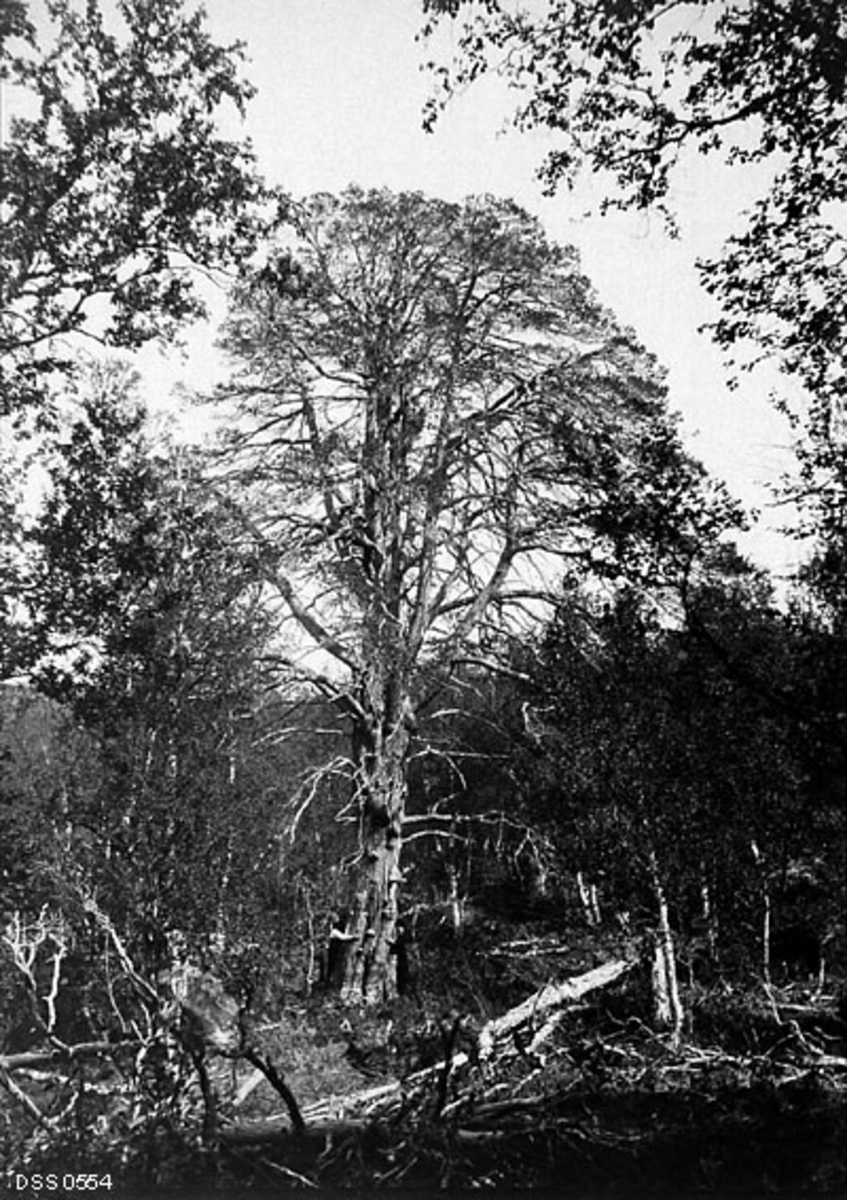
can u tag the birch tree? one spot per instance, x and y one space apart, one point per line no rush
432 414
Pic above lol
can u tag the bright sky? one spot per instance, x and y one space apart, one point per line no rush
340 93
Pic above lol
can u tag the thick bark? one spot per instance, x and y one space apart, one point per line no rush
381 752
371 966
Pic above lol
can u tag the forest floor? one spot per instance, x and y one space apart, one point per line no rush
563 1088
579 1098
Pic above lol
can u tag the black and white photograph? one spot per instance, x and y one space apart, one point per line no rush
423 599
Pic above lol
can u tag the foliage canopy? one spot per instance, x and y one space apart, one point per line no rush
630 91
116 185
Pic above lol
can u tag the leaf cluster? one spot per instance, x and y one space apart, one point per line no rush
631 91
117 186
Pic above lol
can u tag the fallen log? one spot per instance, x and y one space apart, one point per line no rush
549 997
338 1111
248 1086
277 1131
832 1062
57 1055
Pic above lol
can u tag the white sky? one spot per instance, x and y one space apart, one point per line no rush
339 100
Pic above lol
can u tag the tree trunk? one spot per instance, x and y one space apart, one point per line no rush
370 974
764 891
588 899
456 901
708 917
381 752
667 1005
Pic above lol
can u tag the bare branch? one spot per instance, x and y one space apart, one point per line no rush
322 638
